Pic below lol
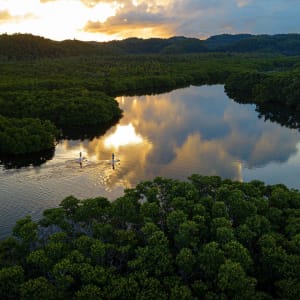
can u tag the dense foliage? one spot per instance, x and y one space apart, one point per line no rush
19 136
70 84
26 46
165 239
276 95
64 107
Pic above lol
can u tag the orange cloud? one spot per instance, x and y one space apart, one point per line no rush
136 18
5 16
125 30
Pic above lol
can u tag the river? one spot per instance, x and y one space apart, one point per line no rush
190 130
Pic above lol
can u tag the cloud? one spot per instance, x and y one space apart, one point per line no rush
133 20
216 132
195 18
5 17
199 18
127 24
91 3
145 19
242 3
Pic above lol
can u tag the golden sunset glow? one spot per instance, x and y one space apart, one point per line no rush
54 19
124 135
104 20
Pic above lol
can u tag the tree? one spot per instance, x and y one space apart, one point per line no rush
151 212
10 252
271 259
151 288
181 292
236 252
98 252
39 261
206 185
279 197
89 292
55 216
125 210
186 261
210 259
233 281
219 210
224 235
70 204
39 288
93 209
289 288
292 227
174 219
259 225
218 223
239 208
10 280
187 236
154 258
245 236
26 230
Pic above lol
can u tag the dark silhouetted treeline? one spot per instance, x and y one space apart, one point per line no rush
27 46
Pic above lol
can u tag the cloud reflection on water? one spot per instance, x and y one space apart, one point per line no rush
193 130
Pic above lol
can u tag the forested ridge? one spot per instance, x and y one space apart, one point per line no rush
27 46
205 238
78 88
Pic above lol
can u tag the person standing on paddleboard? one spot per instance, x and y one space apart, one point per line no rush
113 160
80 159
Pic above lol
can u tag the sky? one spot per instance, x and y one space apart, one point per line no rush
104 20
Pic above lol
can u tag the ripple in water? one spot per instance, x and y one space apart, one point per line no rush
29 191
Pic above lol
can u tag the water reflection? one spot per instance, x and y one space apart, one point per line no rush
275 112
193 130
35 160
201 130
86 132
124 135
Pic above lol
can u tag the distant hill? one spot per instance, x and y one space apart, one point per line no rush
172 45
288 44
224 40
27 46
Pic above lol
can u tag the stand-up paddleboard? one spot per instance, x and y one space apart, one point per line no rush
82 160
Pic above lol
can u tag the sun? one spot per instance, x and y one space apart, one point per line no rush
57 20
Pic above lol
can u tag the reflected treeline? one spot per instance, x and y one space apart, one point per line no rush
280 114
37 159
270 111
86 132
33 159
152 91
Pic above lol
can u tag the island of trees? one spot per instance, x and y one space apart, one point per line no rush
205 238
73 84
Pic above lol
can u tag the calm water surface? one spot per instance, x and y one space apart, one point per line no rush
192 130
